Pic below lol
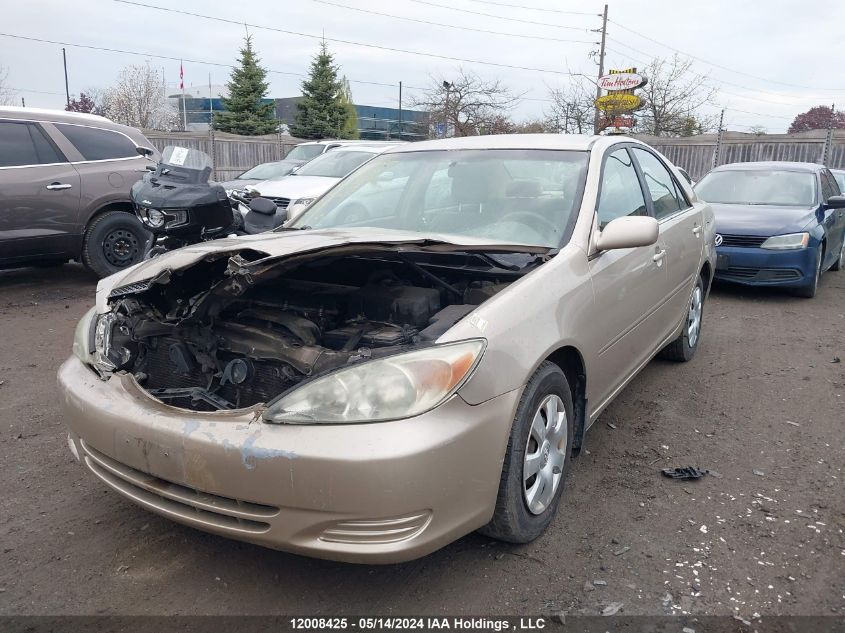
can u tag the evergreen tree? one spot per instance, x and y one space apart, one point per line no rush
245 113
350 126
321 113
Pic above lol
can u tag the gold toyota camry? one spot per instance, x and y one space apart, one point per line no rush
417 356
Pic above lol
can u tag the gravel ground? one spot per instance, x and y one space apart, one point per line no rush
761 405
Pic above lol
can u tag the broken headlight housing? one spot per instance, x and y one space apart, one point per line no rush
83 337
391 388
92 342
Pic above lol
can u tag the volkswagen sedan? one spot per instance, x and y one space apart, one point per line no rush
777 223
371 386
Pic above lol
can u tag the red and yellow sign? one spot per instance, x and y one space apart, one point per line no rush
618 102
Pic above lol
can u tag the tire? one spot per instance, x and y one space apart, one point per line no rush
514 519
809 291
683 348
113 240
839 264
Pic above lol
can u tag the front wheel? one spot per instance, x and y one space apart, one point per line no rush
683 348
113 241
839 264
536 460
809 291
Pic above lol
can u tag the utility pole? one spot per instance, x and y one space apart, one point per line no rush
718 147
67 90
448 87
23 102
400 110
828 141
601 68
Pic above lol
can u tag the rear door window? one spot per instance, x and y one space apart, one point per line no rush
98 144
24 143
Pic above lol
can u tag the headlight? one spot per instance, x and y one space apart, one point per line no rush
83 337
793 241
108 357
400 386
155 218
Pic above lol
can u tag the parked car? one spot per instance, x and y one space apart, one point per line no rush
371 389
311 149
262 172
64 190
777 223
839 176
298 190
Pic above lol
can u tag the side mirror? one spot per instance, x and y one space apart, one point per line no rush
145 151
627 232
835 202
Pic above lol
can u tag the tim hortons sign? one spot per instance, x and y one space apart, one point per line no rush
621 81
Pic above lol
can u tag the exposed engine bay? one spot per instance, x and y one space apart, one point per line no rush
233 331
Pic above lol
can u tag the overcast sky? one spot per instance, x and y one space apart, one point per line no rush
783 55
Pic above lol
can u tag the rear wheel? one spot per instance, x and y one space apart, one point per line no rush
536 460
113 241
683 348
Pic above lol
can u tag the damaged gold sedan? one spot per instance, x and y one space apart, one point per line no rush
416 357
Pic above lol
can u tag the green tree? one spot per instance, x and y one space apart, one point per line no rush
350 126
245 112
321 113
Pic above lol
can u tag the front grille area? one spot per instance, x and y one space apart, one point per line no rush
175 500
282 203
743 241
376 531
759 274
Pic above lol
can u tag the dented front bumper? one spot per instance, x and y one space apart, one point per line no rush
367 493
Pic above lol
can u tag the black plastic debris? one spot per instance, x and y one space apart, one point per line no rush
690 472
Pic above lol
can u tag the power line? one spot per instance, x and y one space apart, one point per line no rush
726 68
185 59
341 41
451 26
499 17
519 6
780 102
39 92
722 81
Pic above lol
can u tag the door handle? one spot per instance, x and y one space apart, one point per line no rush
58 186
659 255
696 230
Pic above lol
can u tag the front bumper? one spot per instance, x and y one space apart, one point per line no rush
366 493
762 267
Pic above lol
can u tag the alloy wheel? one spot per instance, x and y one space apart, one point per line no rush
544 454
694 317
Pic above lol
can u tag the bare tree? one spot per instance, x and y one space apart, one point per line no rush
673 99
7 94
139 99
572 108
467 105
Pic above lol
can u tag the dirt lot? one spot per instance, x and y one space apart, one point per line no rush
761 404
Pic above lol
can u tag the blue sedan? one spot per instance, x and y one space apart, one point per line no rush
777 223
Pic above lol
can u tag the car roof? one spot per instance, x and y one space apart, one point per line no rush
61 116
771 165
838 171
577 142
346 142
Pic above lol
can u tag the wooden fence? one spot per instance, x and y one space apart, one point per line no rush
234 154
231 154
696 153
